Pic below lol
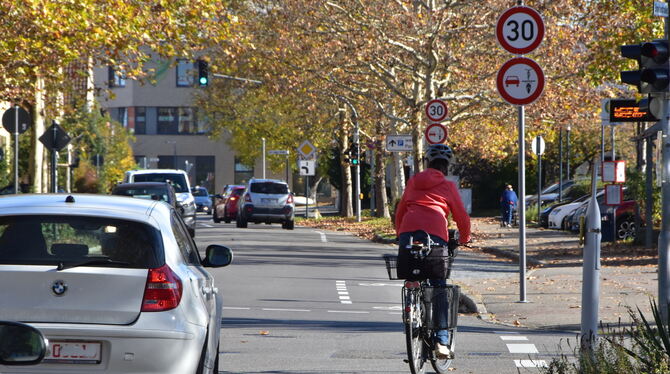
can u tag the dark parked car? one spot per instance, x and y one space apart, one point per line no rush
228 210
203 203
624 218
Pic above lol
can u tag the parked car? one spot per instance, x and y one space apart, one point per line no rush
549 194
115 284
556 219
228 211
161 191
219 200
266 200
203 203
624 217
179 181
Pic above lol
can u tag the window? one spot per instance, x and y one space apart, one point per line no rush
140 120
177 180
184 73
115 77
167 120
187 248
269 188
242 172
186 120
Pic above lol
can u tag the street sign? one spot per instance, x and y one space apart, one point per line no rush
520 30
399 143
614 171
55 138
306 149
520 81
660 9
307 167
9 120
436 133
534 145
613 194
278 152
436 110
628 110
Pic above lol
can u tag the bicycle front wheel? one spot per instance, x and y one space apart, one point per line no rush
441 366
415 345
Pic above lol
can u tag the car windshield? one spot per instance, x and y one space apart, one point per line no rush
200 192
61 240
269 188
143 193
176 180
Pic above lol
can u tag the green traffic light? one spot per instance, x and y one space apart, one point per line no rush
354 161
203 81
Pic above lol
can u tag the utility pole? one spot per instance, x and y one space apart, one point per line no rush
263 167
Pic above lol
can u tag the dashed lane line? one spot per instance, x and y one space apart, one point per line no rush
323 236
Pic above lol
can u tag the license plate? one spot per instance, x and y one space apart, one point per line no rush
69 352
269 201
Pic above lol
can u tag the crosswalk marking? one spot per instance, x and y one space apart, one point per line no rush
341 287
513 338
530 363
522 348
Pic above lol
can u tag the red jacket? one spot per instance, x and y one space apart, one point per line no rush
428 199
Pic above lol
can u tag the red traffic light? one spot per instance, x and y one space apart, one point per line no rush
656 50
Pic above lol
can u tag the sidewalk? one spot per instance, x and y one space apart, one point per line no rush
554 278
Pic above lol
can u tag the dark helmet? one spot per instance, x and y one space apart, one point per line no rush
439 151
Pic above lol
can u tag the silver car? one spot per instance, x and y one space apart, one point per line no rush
115 284
266 200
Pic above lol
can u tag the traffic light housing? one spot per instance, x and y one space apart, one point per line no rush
203 73
355 156
654 67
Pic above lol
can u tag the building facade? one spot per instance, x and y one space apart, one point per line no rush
170 131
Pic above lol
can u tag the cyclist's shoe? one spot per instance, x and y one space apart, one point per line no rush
443 352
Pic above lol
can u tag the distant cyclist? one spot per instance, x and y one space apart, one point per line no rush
426 204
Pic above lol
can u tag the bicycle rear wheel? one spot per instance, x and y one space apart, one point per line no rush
416 349
441 366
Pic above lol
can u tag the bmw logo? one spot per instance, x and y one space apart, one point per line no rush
59 287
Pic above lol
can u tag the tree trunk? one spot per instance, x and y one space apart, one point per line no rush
346 207
381 200
37 153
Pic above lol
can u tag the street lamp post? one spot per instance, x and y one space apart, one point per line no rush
567 171
560 164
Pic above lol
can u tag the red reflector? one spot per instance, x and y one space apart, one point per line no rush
247 198
290 199
408 309
412 284
163 290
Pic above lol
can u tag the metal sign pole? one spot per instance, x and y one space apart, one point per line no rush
16 149
539 178
664 237
591 269
560 164
521 208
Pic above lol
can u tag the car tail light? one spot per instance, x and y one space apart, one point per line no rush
233 198
290 199
163 290
247 198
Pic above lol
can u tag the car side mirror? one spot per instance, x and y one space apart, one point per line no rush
217 256
21 344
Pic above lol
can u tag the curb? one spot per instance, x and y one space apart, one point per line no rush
381 240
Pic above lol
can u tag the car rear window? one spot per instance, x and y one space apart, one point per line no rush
200 192
237 192
52 240
177 181
269 188
144 193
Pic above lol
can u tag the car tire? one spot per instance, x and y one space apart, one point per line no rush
242 223
226 220
216 218
625 229
289 225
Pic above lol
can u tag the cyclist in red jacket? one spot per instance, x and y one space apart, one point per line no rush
426 204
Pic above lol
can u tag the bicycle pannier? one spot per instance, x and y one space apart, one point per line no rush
433 266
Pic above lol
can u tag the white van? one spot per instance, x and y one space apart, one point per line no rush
179 181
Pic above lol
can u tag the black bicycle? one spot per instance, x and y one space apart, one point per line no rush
427 308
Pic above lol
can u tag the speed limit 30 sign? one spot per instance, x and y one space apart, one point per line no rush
520 30
436 110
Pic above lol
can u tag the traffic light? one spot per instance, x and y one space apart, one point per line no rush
654 68
203 73
355 159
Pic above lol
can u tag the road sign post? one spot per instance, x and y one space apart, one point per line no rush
55 139
520 81
16 120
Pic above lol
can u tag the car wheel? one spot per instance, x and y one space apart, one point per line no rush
226 220
237 223
289 225
215 217
242 222
626 229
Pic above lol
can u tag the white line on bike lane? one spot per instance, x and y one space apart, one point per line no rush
323 236
525 349
342 291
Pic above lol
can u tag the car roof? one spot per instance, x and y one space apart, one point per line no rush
267 180
109 206
143 184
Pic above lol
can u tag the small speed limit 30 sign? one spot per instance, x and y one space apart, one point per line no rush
436 110
520 30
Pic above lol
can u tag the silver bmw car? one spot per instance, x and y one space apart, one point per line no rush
116 285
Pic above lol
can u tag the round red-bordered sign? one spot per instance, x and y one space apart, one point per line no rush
436 110
436 133
520 30
520 81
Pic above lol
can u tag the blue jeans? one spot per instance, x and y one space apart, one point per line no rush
441 336
507 210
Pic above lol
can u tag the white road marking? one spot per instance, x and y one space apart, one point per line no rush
522 348
530 363
286 310
348 311
206 225
235 308
513 338
345 302
380 284
323 236
399 307
342 291
345 298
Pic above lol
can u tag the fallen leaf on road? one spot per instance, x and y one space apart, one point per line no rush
517 323
575 306
264 332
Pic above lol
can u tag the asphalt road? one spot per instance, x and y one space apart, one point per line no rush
311 301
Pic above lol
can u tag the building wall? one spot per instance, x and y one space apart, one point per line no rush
190 142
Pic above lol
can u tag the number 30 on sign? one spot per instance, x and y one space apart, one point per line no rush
436 110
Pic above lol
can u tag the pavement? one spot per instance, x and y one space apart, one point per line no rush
628 278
